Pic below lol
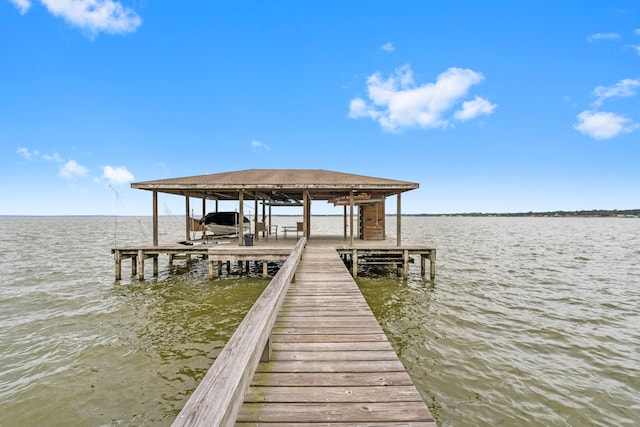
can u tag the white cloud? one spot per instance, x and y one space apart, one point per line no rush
388 47
22 5
624 88
259 145
117 175
603 36
96 16
472 109
24 152
398 103
35 154
603 125
72 169
55 157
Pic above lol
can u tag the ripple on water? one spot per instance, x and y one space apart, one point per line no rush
531 321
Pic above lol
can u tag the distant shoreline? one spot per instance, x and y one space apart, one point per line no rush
597 213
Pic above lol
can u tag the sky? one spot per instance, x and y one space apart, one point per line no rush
490 106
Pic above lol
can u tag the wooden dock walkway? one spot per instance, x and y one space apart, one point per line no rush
331 363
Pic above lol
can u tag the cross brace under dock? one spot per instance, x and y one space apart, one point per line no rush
218 255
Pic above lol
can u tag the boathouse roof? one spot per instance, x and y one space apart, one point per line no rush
276 185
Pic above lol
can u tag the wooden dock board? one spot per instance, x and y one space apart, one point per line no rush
331 363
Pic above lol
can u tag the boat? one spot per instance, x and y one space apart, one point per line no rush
223 223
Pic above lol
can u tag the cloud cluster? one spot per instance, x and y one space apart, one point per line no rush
605 124
624 88
71 169
95 16
398 103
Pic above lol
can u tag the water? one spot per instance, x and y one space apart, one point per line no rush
530 321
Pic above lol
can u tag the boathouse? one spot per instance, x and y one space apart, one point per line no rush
282 188
289 187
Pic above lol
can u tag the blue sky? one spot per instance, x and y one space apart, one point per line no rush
491 106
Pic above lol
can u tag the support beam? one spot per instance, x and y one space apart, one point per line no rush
351 217
255 215
354 263
344 220
141 264
306 214
118 260
399 221
432 262
155 218
187 222
405 264
241 218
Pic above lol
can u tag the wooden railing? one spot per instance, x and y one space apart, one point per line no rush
218 398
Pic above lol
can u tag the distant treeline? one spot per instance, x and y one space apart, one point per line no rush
584 213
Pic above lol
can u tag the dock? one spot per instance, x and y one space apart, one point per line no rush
220 256
309 352
331 362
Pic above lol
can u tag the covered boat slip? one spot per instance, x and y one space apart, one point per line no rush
282 188
362 239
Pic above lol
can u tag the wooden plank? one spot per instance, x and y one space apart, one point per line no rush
323 330
333 394
354 379
323 355
380 337
342 322
334 412
332 366
334 424
332 346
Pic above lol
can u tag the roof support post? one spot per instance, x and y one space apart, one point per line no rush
267 229
255 214
187 222
351 217
399 221
306 210
241 218
155 218
344 221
